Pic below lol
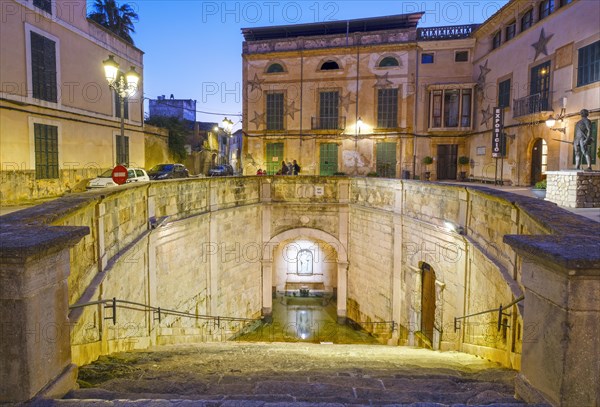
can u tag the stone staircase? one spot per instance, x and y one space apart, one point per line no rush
291 374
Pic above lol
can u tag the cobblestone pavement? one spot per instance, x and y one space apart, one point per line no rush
291 374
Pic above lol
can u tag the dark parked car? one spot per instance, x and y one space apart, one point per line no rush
220 170
168 171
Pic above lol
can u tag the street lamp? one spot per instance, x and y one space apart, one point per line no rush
125 86
227 127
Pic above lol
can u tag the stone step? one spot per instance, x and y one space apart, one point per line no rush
294 374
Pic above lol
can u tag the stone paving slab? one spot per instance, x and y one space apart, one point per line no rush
292 374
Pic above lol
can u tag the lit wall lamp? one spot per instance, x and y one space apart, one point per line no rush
451 227
551 121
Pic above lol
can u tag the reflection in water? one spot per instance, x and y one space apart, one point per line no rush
306 319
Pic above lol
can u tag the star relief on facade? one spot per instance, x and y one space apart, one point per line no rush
540 45
382 81
291 109
483 71
256 83
486 115
259 119
346 100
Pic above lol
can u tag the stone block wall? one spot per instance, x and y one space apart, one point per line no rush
198 246
573 189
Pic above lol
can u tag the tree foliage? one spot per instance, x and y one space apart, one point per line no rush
178 133
119 19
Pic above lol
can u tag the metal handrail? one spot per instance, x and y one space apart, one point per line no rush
499 310
113 304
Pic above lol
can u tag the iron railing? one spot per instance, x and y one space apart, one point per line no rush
328 123
530 105
446 32
499 310
158 312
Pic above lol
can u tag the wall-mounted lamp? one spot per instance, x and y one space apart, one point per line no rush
451 227
551 120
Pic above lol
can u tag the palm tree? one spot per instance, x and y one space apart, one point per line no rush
118 19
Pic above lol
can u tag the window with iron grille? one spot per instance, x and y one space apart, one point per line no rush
45 5
118 106
450 108
329 109
46 151
510 31
527 20
387 108
497 40
43 67
275 111
588 68
546 8
122 155
504 93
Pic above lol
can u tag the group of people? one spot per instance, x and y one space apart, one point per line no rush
289 168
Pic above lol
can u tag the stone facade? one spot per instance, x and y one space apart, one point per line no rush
461 66
178 245
76 110
573 189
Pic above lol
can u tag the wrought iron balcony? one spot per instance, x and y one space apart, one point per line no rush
531 104
445 33
328 123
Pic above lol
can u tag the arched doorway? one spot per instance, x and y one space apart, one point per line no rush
539 155
289 263
427 301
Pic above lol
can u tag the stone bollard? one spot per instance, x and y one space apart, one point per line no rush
35 345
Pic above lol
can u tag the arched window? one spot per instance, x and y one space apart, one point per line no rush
275 68
329 65
388 61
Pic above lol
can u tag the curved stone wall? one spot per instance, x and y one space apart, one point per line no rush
206 246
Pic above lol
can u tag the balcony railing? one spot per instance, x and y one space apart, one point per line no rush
446 32
531 104
328 123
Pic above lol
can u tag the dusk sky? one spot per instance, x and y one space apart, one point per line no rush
193 48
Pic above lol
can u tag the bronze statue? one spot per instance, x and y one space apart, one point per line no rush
583 139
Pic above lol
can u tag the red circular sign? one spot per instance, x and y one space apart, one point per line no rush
119 175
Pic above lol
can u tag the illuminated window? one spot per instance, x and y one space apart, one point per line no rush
544 156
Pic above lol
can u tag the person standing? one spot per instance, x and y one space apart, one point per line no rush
284 168
296 168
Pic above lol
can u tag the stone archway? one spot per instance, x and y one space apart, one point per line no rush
269 266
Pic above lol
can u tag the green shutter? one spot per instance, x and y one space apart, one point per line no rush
274 157
386 160
328 164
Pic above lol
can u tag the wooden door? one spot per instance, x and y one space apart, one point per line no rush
427 301
386 160
447 157
274 157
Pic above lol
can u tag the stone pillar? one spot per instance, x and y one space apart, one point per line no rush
342 292
35 343
561 321
267 292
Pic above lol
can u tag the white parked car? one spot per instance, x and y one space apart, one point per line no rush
105 179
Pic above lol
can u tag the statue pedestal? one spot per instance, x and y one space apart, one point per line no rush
573 188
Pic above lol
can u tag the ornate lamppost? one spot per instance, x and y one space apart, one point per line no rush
227 126
125 86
